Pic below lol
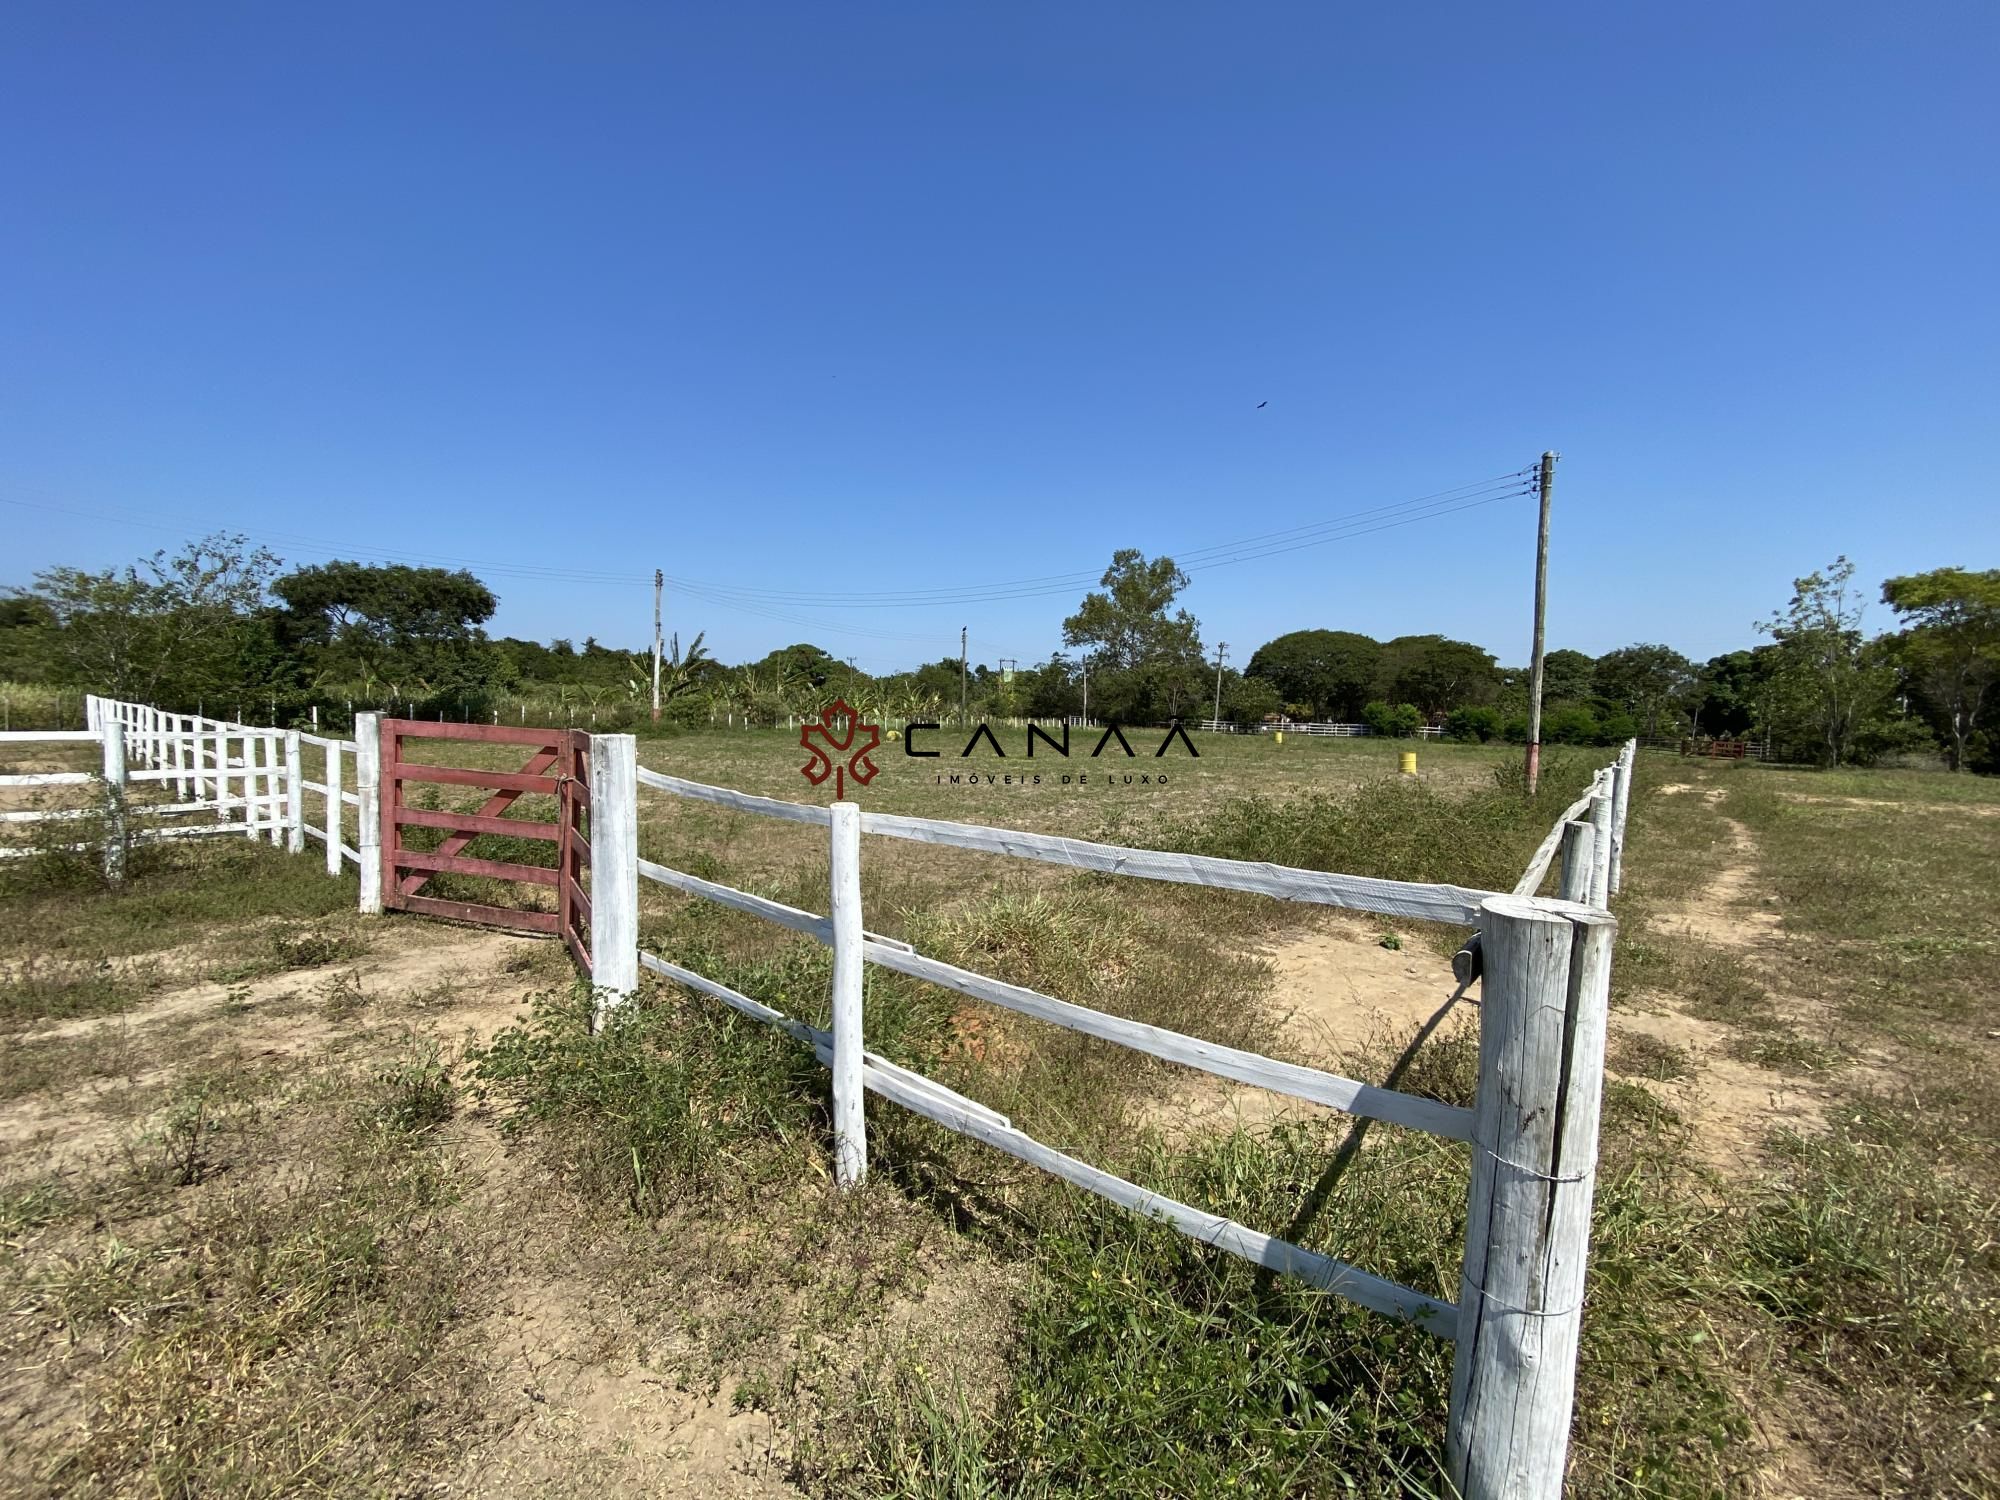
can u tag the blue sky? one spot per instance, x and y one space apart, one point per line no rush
821 300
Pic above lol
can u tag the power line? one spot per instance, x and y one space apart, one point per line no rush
1218 554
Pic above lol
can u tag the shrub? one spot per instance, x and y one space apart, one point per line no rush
1480 724
1572 724
1399 721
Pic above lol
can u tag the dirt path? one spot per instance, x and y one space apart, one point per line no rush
1732 1104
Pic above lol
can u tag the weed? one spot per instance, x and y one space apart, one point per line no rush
186 1136
1643 1056
313 947
415 1092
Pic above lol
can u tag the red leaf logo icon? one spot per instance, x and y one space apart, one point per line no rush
842 748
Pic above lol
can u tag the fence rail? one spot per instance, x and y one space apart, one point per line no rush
251 779
1543 963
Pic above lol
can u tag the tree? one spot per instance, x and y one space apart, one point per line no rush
1648 682
417 629
1730 696
1950 646
1566 676
173 628
1825 686
1128 625
1145 663
1437 673
1331 672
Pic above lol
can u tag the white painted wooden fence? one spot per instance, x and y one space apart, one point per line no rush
251 780
1543 963
1544 966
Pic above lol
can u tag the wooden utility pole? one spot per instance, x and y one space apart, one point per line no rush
961 677
1221 650
1548 487
659 579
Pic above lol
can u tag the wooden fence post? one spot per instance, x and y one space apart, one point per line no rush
113 737
1534 1167
1579 861
336 810
1621 808
368 787
614 869
295 796
850 1140
1600 851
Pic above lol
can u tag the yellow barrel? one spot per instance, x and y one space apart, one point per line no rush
1409 762
1280 736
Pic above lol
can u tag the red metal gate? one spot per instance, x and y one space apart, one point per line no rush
558 766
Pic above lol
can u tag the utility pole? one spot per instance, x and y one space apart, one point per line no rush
659 579
1086 691
961 677
1221 650
1548 487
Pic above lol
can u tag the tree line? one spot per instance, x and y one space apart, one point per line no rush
221 624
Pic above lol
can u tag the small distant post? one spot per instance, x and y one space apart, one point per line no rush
850 1140
1621 803
295 797
113 737
614 869
1579 859
368 787
335 808
1600 854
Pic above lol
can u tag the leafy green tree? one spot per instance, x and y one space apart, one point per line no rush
1145 656
1567 676
1730 696
1128 625
174 628
1825 686
1247 701
417 630
1949 647
1651 683
1437 673
1329 672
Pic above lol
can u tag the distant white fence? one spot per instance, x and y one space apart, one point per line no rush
1544 964
250 781
1336 731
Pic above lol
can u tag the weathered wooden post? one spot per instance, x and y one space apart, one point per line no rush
295 796
1579 860
177 756
850 1140
113 738
336 810
1534 1166
273 790
1621 801
614 869
368 823
1600 851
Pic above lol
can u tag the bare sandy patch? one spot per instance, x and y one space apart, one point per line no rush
1334 989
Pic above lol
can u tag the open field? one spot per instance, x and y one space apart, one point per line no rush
298 1203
